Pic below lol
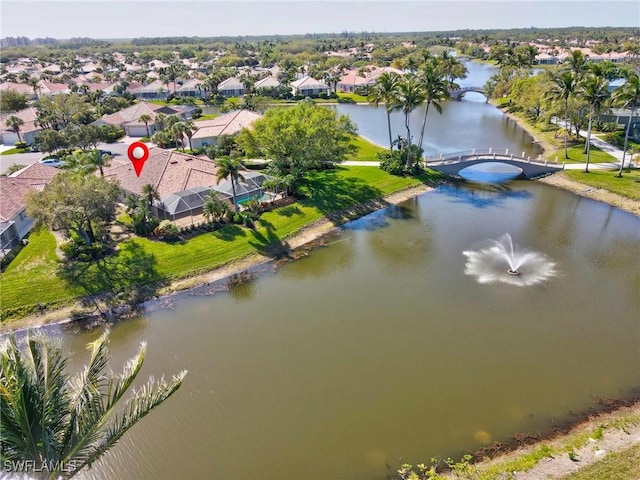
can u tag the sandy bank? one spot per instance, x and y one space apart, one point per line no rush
599 194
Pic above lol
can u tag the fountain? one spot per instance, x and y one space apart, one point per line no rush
500 261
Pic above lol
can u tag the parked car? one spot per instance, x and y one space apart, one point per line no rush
106 152
52 162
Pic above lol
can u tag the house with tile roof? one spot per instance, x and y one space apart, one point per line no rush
182 181
309 87
14 222
28 130
23 88
350 81
129 118
227 124
266 84
190 88
231 87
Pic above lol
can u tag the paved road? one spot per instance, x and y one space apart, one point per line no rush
118 149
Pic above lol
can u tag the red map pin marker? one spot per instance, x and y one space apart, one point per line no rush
138 153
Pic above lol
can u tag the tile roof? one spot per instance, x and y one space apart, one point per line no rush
17 87
133 113
28 116
15 187
309 82
227 124
267 82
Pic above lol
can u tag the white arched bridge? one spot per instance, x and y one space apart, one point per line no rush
458 93
452 163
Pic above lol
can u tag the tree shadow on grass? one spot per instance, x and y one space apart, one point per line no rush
127 277
268 244
289 211
230 232
340 198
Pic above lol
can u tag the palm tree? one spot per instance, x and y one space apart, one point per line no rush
35 84
563 86
385 90
577 63
628 95
595 91
214 210
189 129
410 95
144 118
435 90
14 123
230 167
150 193
56 421
161 120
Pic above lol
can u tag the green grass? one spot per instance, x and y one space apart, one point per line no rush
15 150
206 116
622 465
30 279
627 186
577 155
366 150
353 96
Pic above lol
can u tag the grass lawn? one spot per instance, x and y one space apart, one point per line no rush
353 96
627 186
15 150
30 279
621 465
577 155
366 150
207 116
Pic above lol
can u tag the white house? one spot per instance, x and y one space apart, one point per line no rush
309 87
190 88
267 83
28 130
231 87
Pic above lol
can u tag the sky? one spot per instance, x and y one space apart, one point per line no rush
155 18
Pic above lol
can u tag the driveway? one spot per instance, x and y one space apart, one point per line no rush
119 150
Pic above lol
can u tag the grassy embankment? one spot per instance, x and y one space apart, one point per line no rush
30 283
15 150
571 445
627 186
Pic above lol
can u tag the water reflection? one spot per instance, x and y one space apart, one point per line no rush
483 195
490 172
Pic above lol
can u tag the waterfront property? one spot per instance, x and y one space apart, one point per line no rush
228 124
14 222
129 118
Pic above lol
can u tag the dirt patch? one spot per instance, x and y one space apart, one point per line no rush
599 194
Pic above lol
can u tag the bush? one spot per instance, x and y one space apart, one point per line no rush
346 100
166 231
111 133
237 218
76 249
20 144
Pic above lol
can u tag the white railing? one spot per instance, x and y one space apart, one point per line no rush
485 154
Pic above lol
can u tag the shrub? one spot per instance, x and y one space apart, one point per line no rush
20 144
237 218
166 231
110 133
346 100
76 249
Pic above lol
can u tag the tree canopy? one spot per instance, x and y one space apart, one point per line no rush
299 138
79 205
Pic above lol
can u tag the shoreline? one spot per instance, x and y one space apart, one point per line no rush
305 236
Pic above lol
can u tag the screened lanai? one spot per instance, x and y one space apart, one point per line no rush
187 203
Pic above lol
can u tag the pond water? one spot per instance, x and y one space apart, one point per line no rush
388 345
382 348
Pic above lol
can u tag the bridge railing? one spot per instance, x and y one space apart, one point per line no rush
466 155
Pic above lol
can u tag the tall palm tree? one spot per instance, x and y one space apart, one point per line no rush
595 91
628 96
35 84
230 168
436 89
577 63
563 86
384 91
149 193
52 419
14 123
410 95
189 129
161 120
144 118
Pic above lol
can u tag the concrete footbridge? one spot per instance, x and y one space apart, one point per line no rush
452 163
458 93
